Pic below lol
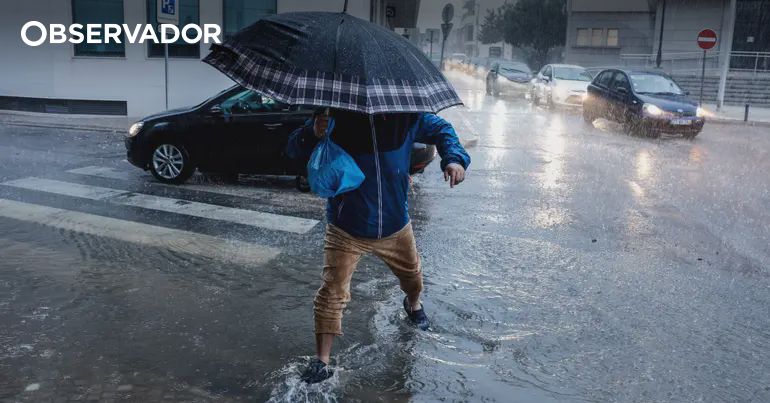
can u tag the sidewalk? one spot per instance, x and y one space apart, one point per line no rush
119 124
734 114
111 124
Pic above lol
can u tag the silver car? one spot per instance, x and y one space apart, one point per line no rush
560 85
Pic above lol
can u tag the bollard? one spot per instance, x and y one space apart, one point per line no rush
746 113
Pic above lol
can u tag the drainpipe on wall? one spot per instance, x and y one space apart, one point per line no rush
725 48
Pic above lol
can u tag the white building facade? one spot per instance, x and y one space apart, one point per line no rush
126 79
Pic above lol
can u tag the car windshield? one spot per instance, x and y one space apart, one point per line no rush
654 84
515 68
571 73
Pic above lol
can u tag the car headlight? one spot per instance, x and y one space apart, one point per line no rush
700 112
652 110
135 129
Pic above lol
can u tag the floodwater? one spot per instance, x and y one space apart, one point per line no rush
575 263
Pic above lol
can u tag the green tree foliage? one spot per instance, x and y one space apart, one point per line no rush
537 26
492 27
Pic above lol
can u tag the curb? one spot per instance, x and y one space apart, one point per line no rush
737 122
94 123
62 126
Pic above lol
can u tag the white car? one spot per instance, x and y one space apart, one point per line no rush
560 84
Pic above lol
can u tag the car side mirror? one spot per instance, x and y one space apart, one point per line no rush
547 79
622 90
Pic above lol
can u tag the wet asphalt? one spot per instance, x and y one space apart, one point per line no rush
576 263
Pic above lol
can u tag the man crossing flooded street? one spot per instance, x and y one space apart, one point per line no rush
357 225
612 254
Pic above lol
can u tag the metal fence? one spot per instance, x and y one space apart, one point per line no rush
754 62
682 62
691 62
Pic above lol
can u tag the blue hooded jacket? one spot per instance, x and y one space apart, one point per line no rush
379 207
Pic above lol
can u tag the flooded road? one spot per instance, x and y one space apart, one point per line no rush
576 263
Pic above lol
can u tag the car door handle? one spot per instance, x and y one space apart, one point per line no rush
272 126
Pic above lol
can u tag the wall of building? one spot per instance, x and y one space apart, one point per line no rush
52 71
359 8
639 28
635 35
684 19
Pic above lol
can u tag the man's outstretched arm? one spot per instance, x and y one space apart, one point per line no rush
433 129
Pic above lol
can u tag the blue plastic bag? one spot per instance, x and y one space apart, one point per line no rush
331 171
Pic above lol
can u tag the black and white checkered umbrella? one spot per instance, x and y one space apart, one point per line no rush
333 60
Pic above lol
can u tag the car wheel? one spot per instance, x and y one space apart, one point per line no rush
632 127
302 184
171 163
549 102
588 115
489 88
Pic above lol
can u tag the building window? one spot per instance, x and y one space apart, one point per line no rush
597 37
98 12
582 37
469 33
612 37
239 14
189 13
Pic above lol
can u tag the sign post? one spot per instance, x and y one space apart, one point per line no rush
168 13
446 15
707 39
431 45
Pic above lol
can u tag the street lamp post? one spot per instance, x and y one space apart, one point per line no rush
446 15
659 57
476 28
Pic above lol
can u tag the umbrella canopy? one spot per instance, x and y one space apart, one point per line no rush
333 60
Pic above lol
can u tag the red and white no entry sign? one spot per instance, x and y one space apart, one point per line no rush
707 39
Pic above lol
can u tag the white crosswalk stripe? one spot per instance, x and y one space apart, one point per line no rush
144 234
112 173
203 210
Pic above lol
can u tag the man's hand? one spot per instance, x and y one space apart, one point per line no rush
454 173
320 125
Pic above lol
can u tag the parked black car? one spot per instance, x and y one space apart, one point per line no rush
236 131
645 102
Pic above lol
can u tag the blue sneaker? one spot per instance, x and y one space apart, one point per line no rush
418 317
317 371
